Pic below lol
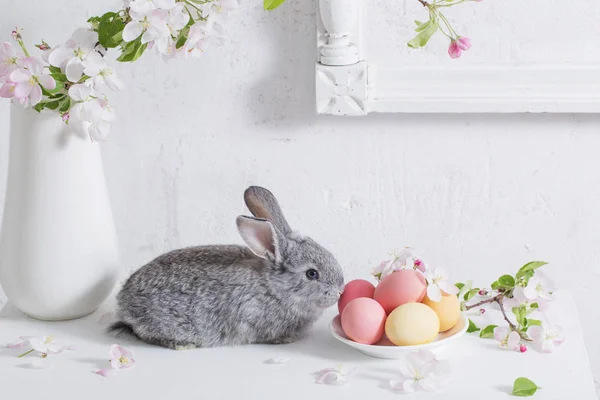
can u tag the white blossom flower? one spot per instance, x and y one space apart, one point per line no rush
176 19
28 81
420 371
43 346
334 376
437 281
405 259
8 59
102 75
90 115
145 6
152 26
69 57
539 287
508 338
548 338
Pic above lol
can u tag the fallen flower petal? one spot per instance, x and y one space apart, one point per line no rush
334 376
105 372
18 344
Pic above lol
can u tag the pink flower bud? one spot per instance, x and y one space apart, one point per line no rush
463 43
16 34
523 348
482 311
454 50
65 117
482 292
43 46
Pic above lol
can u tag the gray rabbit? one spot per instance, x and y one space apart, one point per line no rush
227 295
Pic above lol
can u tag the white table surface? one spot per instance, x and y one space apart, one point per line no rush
480 368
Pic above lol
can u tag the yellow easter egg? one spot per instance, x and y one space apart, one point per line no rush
411 324
447 310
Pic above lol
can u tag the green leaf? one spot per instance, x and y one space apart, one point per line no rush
65 104
424 35
418 23
520 313
59 77
94 22
532 322
38 107
534 305
495 285
109 28
524 387
423 26
53 105
470 294
530 266
506 281
472 327
487 332
54 70
182 37
459 285
132 50
272 4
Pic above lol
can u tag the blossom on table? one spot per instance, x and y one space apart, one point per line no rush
120 358
421 370
508 338
43 346
334 376
438 282
548 338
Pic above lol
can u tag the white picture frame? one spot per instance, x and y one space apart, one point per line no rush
347 84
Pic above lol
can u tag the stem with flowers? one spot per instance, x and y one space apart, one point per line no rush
74 79
425 30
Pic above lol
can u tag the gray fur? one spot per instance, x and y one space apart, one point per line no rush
209 296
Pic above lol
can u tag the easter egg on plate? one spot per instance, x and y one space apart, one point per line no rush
411 324
354 290
447 310
363 320
399 288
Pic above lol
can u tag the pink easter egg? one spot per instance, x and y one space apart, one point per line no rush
363 320
353 290
400 287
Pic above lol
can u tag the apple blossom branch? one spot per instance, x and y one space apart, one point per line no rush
499 299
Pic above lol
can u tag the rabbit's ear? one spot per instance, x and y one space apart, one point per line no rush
262 204
261 237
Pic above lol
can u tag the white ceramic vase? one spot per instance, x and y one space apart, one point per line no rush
58 244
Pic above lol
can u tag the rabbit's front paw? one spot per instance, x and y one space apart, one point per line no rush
185 346
285 340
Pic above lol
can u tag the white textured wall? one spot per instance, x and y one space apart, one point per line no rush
480 194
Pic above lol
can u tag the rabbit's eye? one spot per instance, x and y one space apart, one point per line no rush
312 274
